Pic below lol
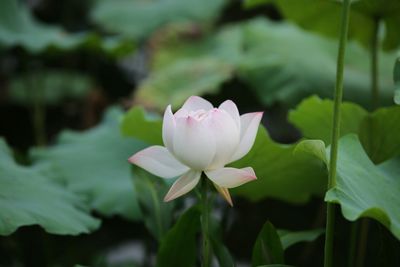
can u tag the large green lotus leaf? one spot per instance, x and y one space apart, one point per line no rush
29 197
379 131
139 124
95 164
284 63
281 174
55 86
19 28
196 67
380 134
364 189
140 18
174 84
313 117
272 58
323 16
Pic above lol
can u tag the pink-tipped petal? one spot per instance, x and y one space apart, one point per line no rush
226 134
231 177
158 161
224 193
194 103
168 128
230 107
249 123
183 184
194 144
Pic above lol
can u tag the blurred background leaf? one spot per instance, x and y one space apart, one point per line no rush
95 165
138 18
29 196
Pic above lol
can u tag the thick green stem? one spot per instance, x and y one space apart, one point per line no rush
206 261
374 65
330 220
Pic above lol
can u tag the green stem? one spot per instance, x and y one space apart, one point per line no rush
38 109
374 65
330 220
205 223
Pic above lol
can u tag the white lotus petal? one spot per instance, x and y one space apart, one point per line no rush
224 193
183 184
227 136
249 123
158 161
194 144
168 128
231 177
194 103
230 107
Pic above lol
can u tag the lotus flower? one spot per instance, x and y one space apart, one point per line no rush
200 138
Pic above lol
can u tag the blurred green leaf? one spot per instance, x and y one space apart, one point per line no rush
95 164
396 76
379 132
150 192
55 85
174 84
222 253
313 117
139 124
363 189
179 246
272 58
29 197
19 28
289 238
281 174
321 15
268 247
278 66
138 18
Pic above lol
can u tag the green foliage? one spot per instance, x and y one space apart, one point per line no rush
313 116
150 191
178 248
55 86
379 131
141 125
396 76
272 58
379 134
95 164
281 174
185 78
268 247
138 19
363 189
320 16
290 238
29 196
19 28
